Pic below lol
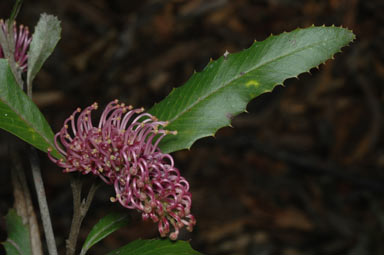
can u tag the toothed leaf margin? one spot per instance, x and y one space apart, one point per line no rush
211 98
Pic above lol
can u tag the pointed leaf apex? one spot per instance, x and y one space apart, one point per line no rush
196 110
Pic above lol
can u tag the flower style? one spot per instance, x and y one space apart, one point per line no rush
22 40
123 150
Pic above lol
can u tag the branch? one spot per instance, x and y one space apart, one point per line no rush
80 209
42 199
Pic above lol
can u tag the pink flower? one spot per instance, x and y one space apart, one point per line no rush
122 150
22 41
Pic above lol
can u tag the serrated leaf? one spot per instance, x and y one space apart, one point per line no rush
106 226
20 116
211 98
18 241
155 246
45 37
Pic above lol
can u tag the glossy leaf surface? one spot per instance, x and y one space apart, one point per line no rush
211 98
106 226
20 116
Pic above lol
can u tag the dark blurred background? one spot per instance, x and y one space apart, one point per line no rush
300 174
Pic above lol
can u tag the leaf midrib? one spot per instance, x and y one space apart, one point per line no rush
15 245
200 99
28 124
86 248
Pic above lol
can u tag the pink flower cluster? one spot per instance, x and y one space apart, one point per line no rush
22 40
122 150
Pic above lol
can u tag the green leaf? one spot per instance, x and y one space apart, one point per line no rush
18 241
103 228
15 11
211 98
44 40
20 116
155 246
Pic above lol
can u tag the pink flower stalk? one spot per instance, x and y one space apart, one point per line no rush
22 40
122 150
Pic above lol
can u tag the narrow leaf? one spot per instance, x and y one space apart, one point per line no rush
103 228
18 242
15 11
44 40
211 98
20 116
155 246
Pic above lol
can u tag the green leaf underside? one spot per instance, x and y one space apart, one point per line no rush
18 242
20 116
211 98
45 37
155 246
106 226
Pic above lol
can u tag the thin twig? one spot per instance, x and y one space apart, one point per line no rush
42 199
80 209
36 171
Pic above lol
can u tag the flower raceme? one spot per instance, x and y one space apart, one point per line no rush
22 39
123 151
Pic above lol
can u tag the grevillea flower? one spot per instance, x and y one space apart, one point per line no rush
123 151
22 40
